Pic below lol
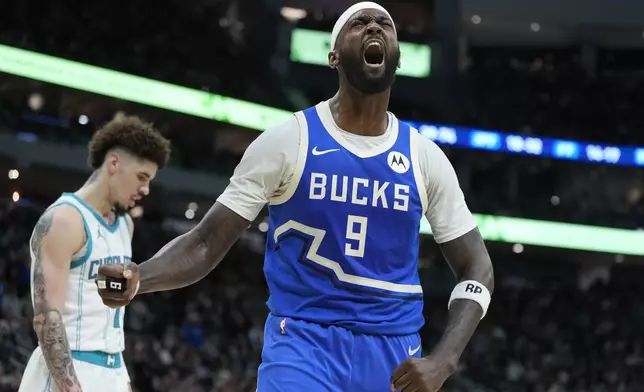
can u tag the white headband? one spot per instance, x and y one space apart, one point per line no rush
344 18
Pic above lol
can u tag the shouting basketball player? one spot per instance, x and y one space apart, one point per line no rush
80 340
347 185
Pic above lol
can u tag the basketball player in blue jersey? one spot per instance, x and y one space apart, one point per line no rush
347 185
80 340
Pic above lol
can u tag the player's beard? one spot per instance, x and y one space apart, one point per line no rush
353 67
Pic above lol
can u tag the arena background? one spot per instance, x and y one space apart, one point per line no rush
537 104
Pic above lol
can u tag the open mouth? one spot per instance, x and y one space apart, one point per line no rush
374 53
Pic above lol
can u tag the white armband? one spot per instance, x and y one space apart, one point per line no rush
474 291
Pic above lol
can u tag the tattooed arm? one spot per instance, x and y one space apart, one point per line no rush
182 262
58 234
191 256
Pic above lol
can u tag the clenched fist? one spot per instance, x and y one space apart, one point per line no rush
421 374
117 283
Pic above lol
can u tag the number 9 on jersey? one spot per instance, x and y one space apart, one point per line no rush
356 236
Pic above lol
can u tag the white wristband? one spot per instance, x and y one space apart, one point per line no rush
474 291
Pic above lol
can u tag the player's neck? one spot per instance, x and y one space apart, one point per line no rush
95 193
358 113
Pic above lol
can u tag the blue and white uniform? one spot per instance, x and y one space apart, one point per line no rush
342 249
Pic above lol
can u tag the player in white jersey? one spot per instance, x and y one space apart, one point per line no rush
80 339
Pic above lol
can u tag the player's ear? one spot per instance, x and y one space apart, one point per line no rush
112 161
334 59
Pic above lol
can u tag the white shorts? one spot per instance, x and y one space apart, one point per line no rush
93 375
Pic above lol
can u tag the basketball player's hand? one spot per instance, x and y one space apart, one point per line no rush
117 283
421 374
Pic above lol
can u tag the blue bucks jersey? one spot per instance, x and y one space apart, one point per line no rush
343 249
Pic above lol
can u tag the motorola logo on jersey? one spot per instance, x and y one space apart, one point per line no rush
359 191
398 162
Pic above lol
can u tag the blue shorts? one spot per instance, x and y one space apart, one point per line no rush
300 356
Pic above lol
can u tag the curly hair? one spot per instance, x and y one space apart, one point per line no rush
132 134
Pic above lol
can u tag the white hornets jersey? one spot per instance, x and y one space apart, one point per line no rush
90 325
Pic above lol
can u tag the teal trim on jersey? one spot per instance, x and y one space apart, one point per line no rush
80 261
79 318
130 228
117 318
98 358
98 216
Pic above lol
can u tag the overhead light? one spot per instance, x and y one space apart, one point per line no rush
193 206
293 14
476 19
82 119
517 248
13 174
190 214
35 101
536 27
15 196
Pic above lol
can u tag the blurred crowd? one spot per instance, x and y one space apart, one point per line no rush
542 333
545 334
229 47
205 45
539 91
562 191
554 92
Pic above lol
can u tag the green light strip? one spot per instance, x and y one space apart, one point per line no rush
137 89
246 114
312 47
557 235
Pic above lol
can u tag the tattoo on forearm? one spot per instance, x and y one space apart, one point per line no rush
48 322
